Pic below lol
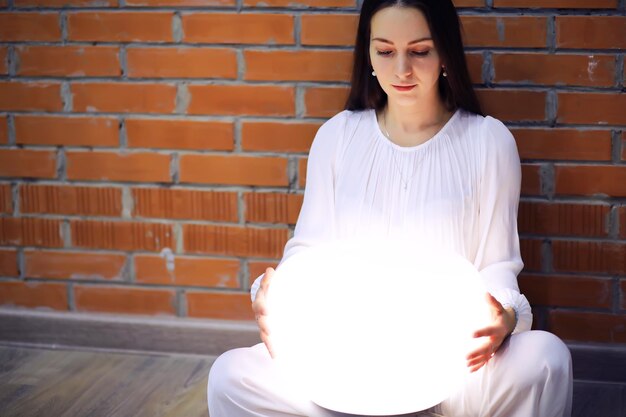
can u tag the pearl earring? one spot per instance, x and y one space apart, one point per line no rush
445 74
374 73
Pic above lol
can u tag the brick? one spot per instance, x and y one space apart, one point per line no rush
70 200
272 207
166 62
125 26
68 61
324 101
114 166
168 203
27 163
622 222
234 170
29 26
223 306
513 105
563 144
4 130
74 265
29 231
505 31
308 65
180 3
623 294
4 60
560 4
240 28
550 69
586 32
563 219
33 294
125 300
121 235
68 131
30 96
591 180
278 137
588 326
591 108
65 3
299 3
234 240
475 67
187 271
257 268
241 100
8 263
531 254
589 256
567 291
180 134
6 198
124 97
624 145
531 179
302 166
328 29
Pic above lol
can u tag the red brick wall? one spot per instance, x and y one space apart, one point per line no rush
152 157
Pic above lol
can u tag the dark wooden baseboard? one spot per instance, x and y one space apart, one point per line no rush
121 332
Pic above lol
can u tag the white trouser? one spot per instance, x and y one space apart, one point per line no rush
529 376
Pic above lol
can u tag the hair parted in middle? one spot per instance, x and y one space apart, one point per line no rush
455 90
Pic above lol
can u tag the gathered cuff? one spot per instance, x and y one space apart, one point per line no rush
518 302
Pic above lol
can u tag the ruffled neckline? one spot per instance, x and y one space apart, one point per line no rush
381 136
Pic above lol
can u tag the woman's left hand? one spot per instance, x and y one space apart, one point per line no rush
503 323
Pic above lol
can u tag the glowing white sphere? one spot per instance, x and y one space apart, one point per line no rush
375 328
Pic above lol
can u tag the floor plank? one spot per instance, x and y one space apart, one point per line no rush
67 383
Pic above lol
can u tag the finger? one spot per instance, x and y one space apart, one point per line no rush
259 304
268 345
478 359
483 351
477 367
486 331
494 301
262 322
267 278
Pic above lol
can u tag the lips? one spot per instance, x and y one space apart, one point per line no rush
403 87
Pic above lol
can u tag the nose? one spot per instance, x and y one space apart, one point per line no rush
402 67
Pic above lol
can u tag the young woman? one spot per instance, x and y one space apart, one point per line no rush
413 155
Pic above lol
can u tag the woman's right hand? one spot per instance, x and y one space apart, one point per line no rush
260 309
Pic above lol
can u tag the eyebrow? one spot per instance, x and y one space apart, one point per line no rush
410 43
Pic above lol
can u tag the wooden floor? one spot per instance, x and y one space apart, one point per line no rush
68 382
77 382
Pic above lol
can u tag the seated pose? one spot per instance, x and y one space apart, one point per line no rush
412 155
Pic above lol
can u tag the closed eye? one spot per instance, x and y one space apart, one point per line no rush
416 53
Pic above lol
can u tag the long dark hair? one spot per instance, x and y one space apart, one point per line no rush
455 90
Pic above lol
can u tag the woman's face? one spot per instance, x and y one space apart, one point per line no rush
403 54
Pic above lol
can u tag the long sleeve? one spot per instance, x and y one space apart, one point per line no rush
498 257
315 222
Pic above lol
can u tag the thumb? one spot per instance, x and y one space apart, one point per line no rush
267 278
492 300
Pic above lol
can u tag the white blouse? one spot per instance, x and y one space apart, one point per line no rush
459 190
